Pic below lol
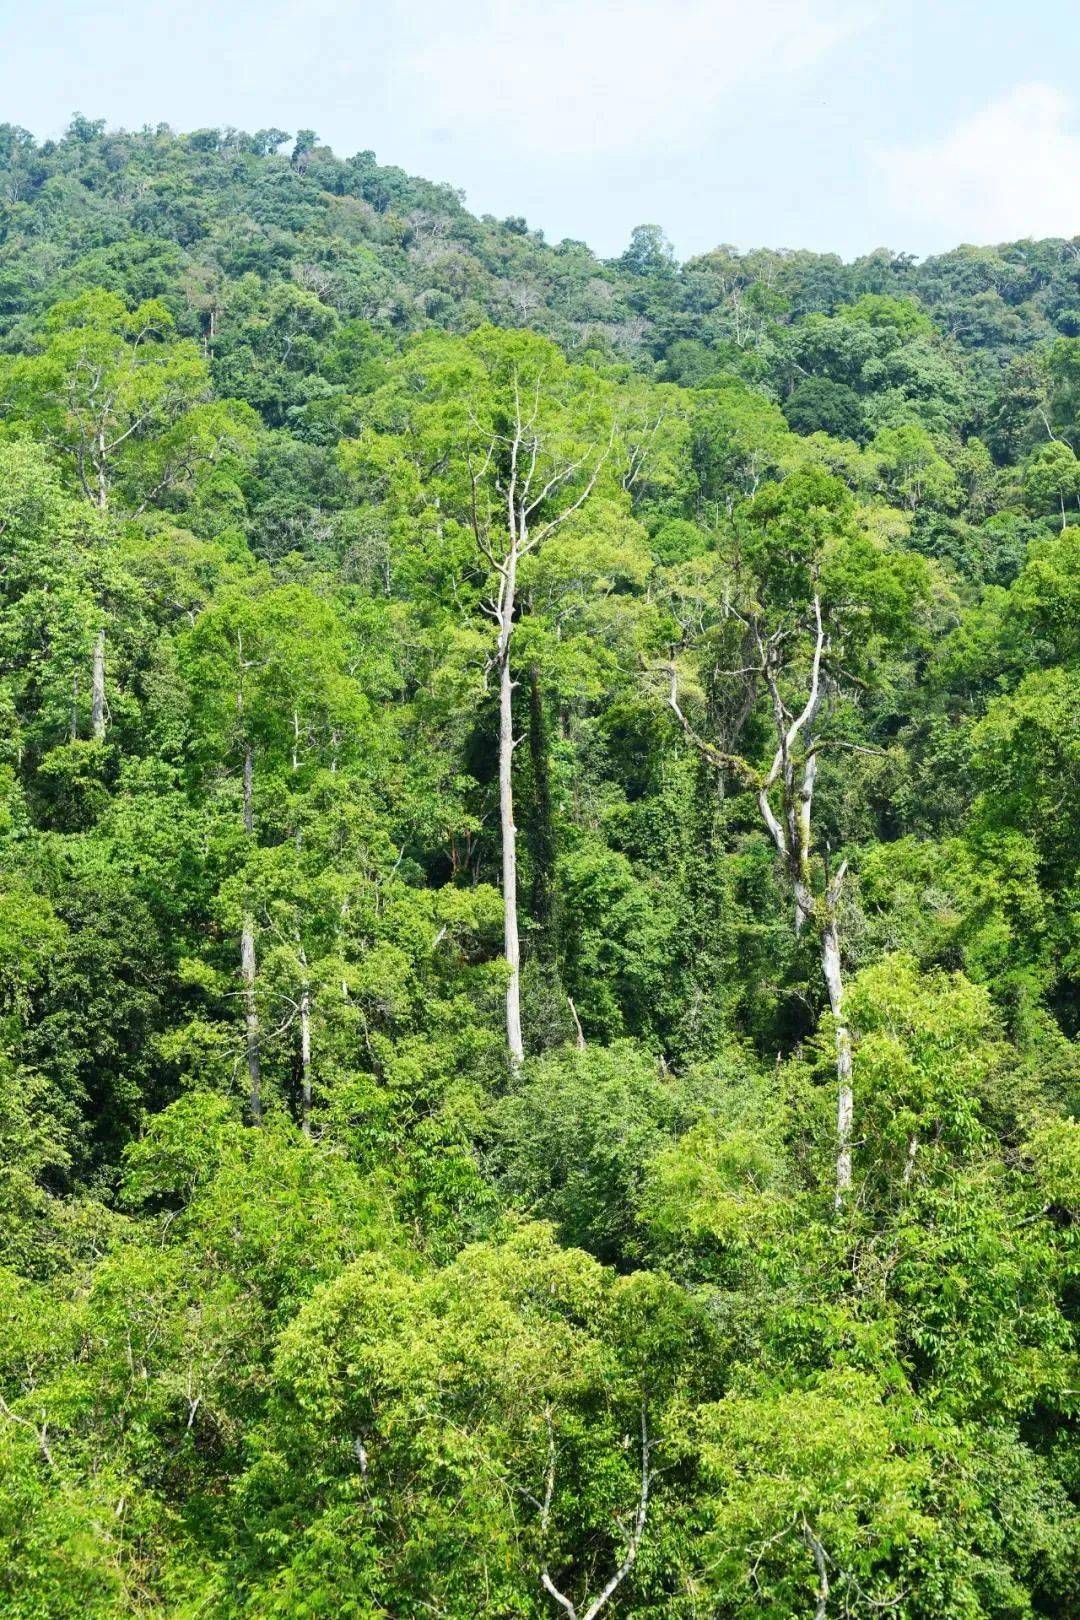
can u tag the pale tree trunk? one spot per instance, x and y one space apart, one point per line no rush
343 915
251 1016
305 986
592 1609
97 690
511 944
247 961
101 459
845 1097
305 1047
528 484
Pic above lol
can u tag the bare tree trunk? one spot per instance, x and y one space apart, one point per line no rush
817 1552
251 1016
342 915
97 692
102 463
511 944
845 1100
633 1544
74 728
247 961
525 483
305 1053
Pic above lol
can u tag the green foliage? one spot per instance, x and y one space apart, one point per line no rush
442 1333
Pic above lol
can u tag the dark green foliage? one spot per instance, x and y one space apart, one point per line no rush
821 406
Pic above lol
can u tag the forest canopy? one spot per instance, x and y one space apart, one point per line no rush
539 932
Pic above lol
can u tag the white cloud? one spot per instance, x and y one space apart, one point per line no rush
564 78
1010 170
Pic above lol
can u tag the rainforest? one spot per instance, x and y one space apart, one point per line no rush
539 908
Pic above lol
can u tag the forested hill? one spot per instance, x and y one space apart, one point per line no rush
188 217
539 873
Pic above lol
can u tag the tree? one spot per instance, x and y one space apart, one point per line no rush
821 406
1052 479
270 682
125 403
521 440
805 595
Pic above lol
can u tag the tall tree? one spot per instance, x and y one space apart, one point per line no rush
511 442
123 401
805 597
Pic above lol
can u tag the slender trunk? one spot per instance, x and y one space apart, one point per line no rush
102 472
541 831
247 960
305 1048
251 1016
74 729
845 1104
249 790
804 905
511 947
97 693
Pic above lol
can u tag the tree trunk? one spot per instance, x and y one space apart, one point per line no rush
97 692
511 946
249 790
845 1103
247 960
541 831
101 460
251 1016
305 1057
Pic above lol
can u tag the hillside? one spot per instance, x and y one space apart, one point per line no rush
539 858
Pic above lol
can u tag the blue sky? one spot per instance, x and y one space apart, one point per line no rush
829 124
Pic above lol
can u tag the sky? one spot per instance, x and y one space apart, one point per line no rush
836 125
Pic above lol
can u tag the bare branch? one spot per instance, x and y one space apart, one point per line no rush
41 1435
580 1037
637 1531
818 1554
545 1518
576 505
